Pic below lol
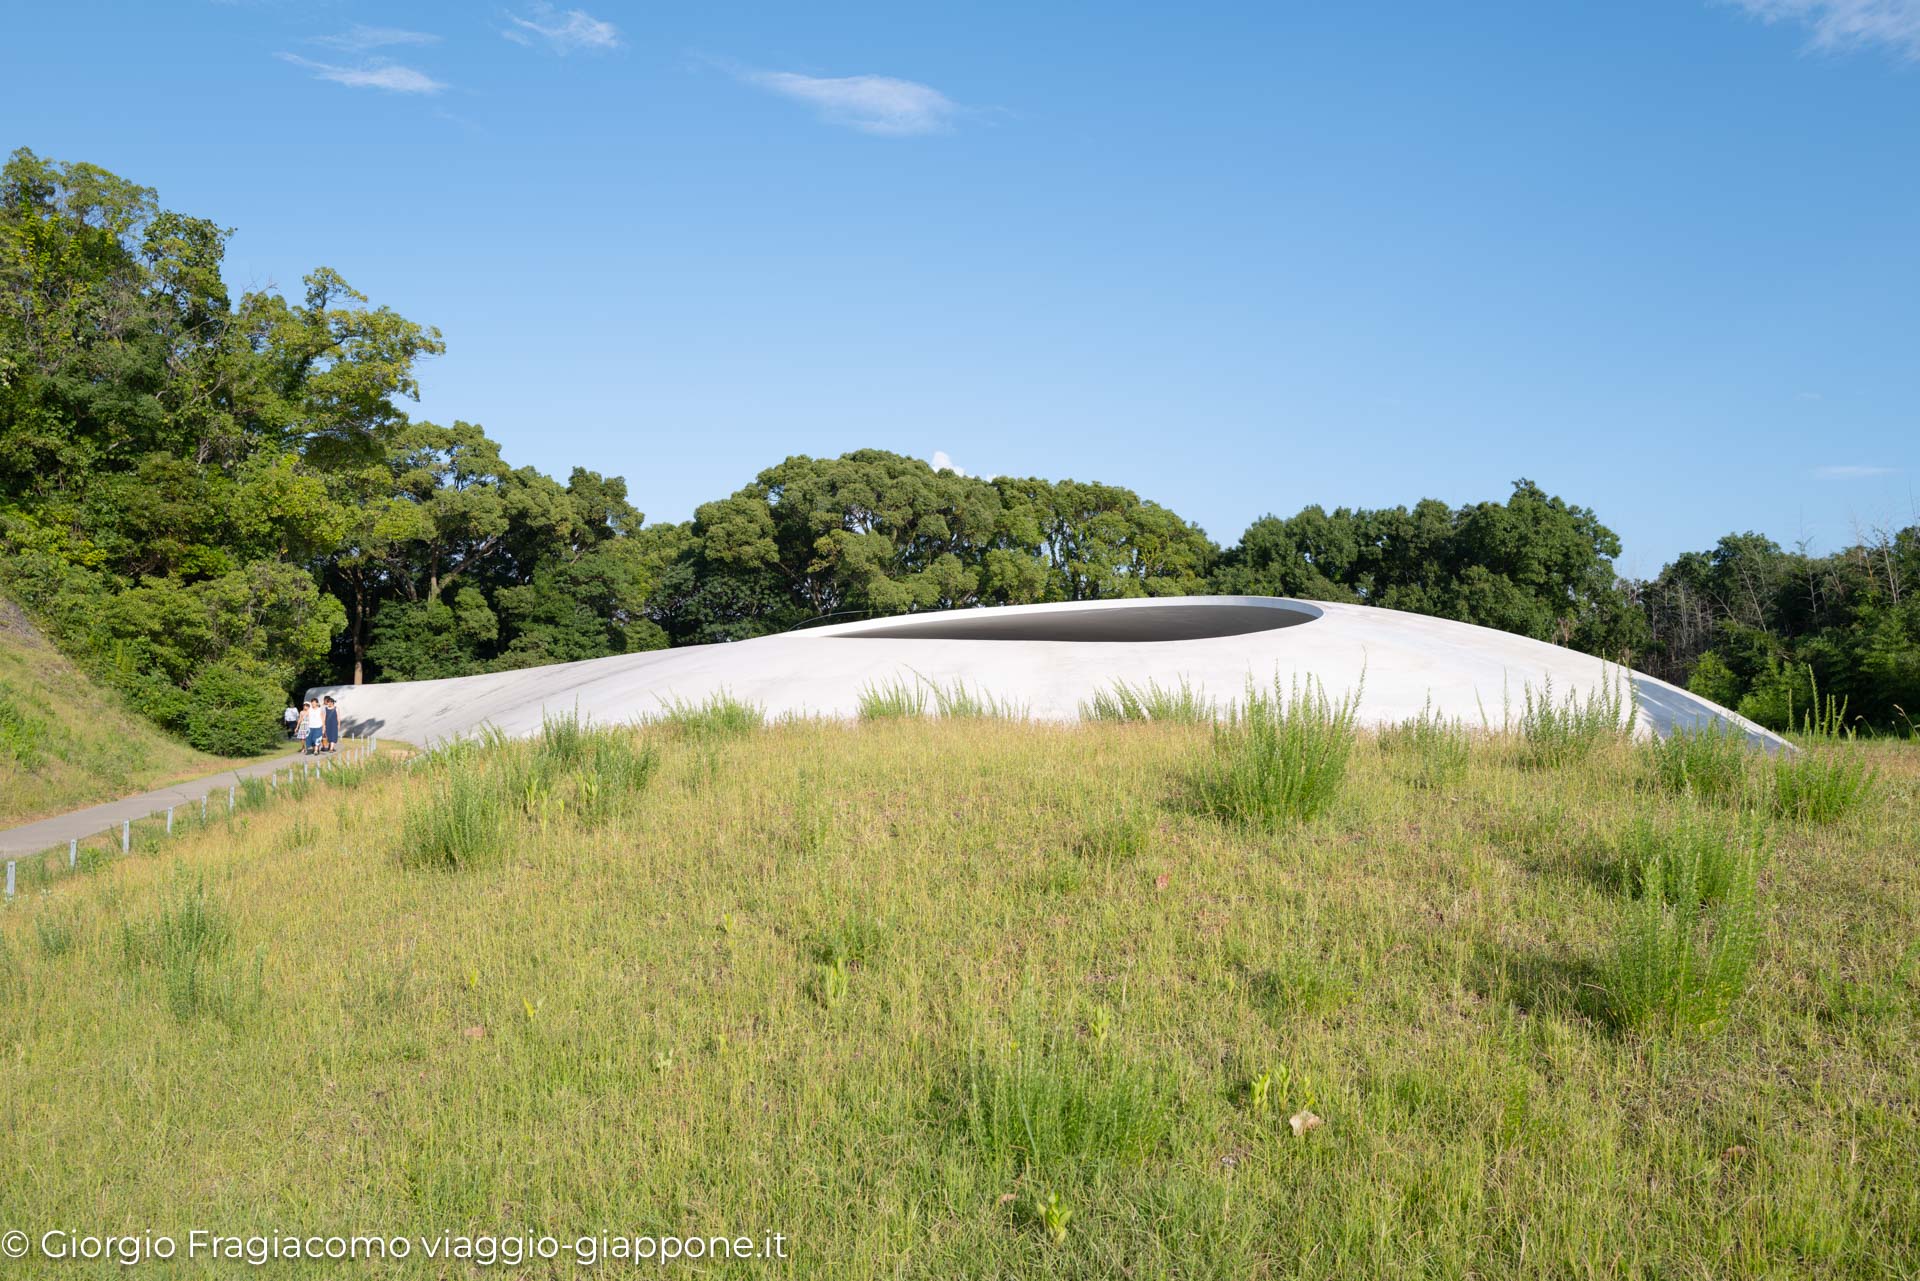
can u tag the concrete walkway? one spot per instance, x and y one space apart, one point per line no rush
55 832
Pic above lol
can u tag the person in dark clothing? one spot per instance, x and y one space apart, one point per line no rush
332 724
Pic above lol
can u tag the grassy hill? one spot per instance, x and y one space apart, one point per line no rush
65 742
978 998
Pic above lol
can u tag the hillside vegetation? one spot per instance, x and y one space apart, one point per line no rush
65 742
971 997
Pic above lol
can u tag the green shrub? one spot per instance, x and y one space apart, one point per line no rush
1281 755
1553 734
896 700
719 715
1787 698
1822 717
564 742
1686 945
463 820
1180 704
1433 751
1776 692
621 762
187 942
853 940
233 713
56 933
1714 681
1708 761
1821 785
1045 1102
957 702
616 770
251 793
591 772
1691 853
192 924
153 696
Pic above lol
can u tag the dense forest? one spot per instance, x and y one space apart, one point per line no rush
210 500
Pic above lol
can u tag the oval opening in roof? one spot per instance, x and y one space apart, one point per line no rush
1127 621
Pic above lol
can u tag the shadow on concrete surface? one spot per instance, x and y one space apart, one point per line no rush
1670 709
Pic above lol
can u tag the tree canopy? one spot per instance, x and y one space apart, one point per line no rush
210 497
212 500
1535 565
873 532
1769 631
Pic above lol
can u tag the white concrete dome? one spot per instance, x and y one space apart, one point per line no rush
1050 659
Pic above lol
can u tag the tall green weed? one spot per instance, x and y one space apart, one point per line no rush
1281 756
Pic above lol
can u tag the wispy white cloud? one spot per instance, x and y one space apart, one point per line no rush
562 32
359 38
1847 24
380 74
871 104
1850 471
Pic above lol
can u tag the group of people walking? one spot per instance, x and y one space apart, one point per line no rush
315 725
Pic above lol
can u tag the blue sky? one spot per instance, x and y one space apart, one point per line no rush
1663 258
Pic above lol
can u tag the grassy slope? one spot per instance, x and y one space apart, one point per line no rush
632 1029
65 742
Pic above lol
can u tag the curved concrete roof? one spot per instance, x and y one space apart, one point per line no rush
1049 658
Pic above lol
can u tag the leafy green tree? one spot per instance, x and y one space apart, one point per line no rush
163 451
872 532
1712 679
210 498
417 640
1535 565
1099 542
1310 555
536 572
232 712
1762 627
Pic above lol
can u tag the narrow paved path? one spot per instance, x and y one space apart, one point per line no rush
50 833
